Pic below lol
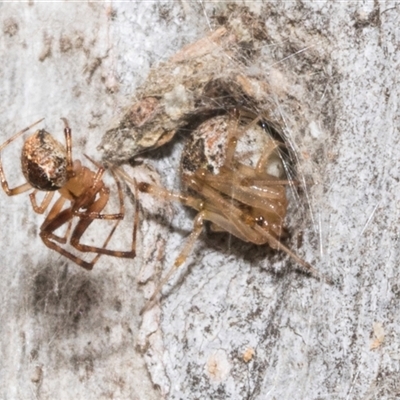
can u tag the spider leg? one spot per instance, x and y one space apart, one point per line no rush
48 237
259 194
212 211
18 134
94 212
233 219
4 184
267 152
62 239
234 134
55 210
160 192
187 249
14 191
225 215
46 234
57 218
216 208
236 226
248 231
94 162
92 193
276 244
21 188
68 142
44 204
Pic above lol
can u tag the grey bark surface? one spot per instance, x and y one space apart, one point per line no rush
237 321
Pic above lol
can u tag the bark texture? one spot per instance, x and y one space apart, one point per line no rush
237 321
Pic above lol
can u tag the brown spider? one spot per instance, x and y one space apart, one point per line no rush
245 199
48 166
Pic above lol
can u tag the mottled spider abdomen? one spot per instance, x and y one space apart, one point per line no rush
44 161
207 146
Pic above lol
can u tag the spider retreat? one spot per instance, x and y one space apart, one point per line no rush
48 166
230 186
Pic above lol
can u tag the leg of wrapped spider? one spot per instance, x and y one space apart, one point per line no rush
276 244
234 134
197 229
267 152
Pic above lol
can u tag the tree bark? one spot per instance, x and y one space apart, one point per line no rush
237 321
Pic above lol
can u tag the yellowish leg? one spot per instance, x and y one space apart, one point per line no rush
197 229
267 152
234 135
276 244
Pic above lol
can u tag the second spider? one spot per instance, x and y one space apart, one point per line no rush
48 166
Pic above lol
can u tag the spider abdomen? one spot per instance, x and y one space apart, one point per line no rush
207 146
44 161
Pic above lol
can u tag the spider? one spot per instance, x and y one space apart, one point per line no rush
245 199
48 166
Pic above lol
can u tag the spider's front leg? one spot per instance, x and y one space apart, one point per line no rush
235 132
